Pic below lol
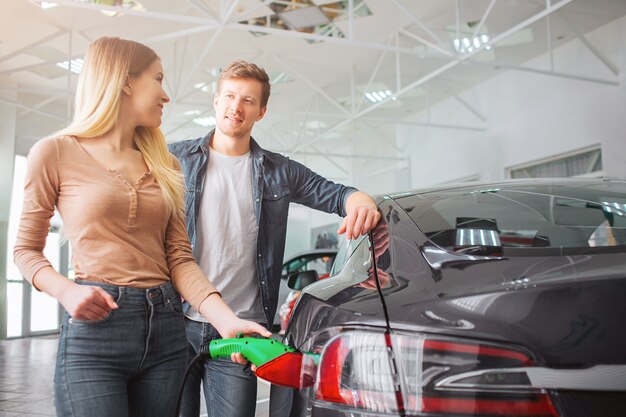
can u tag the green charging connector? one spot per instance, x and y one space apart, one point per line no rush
256 351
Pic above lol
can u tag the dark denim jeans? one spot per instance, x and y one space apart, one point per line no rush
128 364
229 388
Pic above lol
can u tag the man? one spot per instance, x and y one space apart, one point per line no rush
238 196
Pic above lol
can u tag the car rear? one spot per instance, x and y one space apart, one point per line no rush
529 323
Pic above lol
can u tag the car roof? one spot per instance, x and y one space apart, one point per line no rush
479 185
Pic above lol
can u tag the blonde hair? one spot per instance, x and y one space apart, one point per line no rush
108 64
246 70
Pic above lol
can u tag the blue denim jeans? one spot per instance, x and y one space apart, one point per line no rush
128 364
229 388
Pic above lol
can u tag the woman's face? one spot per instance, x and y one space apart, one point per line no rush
147 96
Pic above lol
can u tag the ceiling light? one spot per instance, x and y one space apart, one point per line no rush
75 65
280 77
304 17
204 87
205 121
377 96
192 112
44 4
464 45
120 4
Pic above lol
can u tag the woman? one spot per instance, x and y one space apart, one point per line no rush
120 193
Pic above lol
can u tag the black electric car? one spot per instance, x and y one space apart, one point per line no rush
505 299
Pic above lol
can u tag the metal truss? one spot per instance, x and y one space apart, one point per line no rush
413 41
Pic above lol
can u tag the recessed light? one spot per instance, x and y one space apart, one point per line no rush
304 17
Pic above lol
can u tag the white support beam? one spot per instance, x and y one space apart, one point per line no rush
549 39
550 73
346 156
470 108
276 135
416 20
384 120
40 91
427 124
206 23
328 157
333 40
457 14
179 34
179 65
483 19
69 75
492 41
225 17
463 102
306 118
350 19
199 61
34 66
230 11
382 135
260 128
203 113
168 17
426 43
201 7
595 51
398 69
385 170
372 77
252 10
311 84
38 42
353 89
34 110
39 105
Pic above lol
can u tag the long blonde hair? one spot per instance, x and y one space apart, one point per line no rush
107 65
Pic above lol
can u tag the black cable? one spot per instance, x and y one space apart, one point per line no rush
204 352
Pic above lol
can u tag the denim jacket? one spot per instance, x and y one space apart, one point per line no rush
276 182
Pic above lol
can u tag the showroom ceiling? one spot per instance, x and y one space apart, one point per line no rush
344 73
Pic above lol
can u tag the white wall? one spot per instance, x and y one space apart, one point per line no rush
529 117
300 222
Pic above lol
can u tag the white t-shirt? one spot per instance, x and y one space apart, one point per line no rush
227 235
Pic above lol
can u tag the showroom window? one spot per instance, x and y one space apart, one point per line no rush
586 163
31 312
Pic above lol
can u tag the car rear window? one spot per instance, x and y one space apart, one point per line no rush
561 218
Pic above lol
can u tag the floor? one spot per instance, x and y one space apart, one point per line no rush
28 371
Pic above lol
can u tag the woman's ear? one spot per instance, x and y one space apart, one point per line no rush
127 89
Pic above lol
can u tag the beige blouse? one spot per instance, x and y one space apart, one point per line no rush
121 233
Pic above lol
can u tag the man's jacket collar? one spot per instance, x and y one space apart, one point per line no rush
204 145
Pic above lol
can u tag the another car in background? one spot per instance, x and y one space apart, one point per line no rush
503 299
320 260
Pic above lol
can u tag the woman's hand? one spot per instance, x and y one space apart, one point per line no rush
82 302
234 326
86 302
227 324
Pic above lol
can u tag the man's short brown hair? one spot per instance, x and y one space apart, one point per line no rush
247 70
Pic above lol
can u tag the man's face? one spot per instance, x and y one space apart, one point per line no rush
238 106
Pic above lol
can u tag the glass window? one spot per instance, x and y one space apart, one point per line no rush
44 309
346 248
15 285
28 310
515 218
583 163
321 263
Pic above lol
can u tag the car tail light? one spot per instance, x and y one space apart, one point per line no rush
415 374
284 370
